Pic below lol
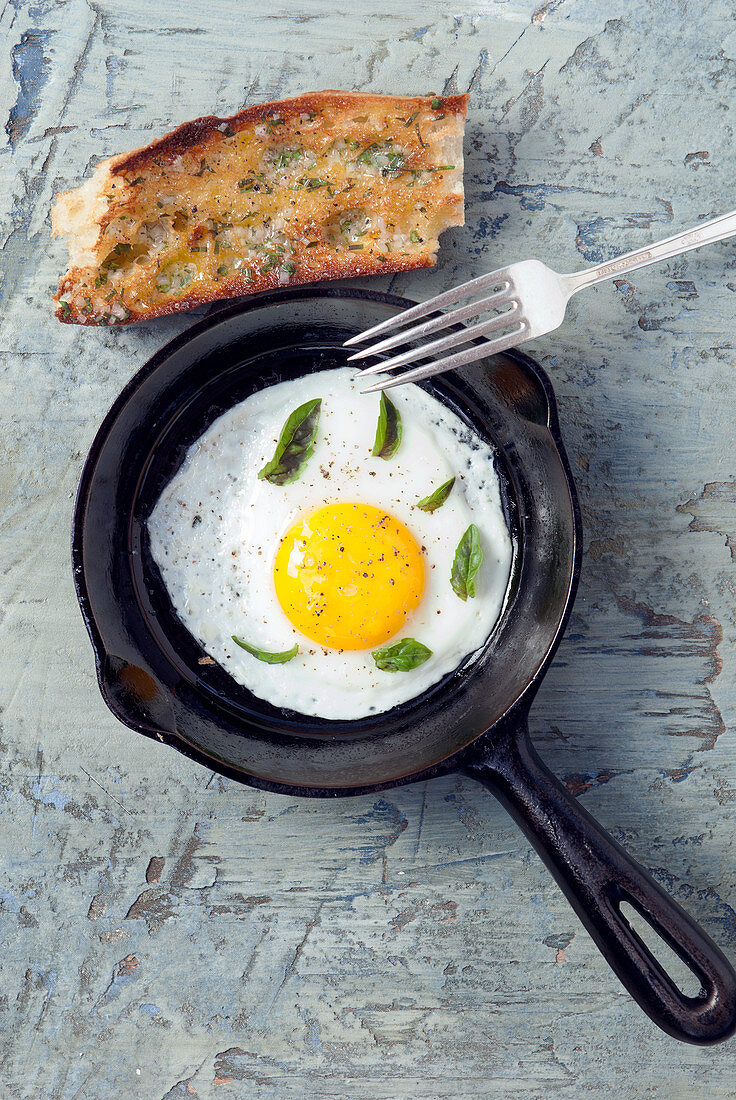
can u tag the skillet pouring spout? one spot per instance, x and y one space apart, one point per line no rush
597 875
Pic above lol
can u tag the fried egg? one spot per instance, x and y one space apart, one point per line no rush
339 562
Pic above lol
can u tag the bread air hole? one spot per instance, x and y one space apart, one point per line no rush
349 230
124 255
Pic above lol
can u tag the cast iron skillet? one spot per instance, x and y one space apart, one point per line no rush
474 721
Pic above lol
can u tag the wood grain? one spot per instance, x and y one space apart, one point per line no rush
170 934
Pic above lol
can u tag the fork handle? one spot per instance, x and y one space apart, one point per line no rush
717 229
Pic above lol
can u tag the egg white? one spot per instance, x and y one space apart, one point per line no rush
215 530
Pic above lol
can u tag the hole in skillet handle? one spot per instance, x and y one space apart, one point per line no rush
687 981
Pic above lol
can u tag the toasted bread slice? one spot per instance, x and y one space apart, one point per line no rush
323 186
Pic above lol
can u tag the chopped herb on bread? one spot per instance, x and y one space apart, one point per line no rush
323 186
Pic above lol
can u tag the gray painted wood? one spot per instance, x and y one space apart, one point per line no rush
170 934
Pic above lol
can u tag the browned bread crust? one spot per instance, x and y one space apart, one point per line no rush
322 186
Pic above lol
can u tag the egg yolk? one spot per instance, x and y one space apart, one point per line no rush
348 575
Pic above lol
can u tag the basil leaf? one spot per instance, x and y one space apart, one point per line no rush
467 562
295 445
402 656
264 655
388 429
436 499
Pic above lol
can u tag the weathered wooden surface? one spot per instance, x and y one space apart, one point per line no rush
169 934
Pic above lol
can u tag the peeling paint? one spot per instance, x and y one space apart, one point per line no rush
169 934
30 72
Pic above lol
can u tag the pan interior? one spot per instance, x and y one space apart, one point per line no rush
145 440
188 421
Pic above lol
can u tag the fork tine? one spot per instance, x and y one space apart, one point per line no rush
448 298
492 347
435 323
501 321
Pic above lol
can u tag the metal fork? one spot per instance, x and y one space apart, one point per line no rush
527 299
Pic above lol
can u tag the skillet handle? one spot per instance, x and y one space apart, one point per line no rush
596 875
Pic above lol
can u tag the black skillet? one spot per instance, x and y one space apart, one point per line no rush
474 721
